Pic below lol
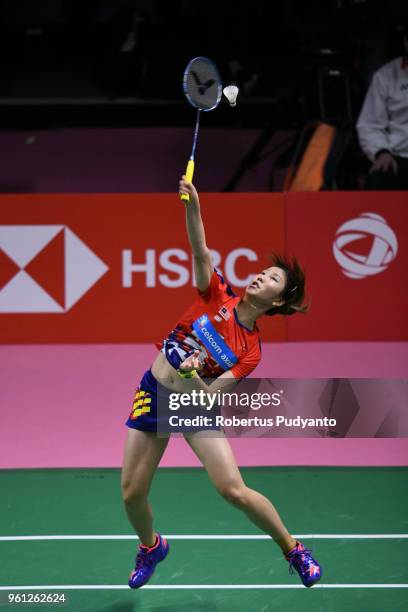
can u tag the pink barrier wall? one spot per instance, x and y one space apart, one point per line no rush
65 405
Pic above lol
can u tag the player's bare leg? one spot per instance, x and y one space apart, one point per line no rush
143 451
214 451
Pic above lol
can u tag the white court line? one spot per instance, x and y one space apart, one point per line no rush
86 587
301 536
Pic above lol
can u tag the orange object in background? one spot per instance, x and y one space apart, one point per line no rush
308 173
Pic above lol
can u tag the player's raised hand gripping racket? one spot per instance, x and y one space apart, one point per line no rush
203 88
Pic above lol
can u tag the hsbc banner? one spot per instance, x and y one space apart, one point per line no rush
355 249
118 268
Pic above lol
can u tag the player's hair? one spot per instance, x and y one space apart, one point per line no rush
294 290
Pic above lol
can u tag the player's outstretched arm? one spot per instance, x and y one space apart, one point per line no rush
196 235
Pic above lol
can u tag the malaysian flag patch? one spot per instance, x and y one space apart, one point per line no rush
224 313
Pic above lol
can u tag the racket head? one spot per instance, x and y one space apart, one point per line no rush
202 84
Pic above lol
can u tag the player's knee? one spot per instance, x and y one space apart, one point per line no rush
235 494
132 494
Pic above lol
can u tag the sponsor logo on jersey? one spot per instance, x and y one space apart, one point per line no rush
214 342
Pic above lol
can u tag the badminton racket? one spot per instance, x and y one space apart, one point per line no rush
203 89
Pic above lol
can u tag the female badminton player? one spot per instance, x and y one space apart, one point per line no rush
187 358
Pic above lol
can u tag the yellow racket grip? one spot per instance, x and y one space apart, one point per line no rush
189 178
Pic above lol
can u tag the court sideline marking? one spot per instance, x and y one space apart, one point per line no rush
62 587
314 536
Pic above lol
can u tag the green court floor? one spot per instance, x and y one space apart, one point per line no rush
326 506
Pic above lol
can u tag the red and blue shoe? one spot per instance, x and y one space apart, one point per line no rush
146 561
302 561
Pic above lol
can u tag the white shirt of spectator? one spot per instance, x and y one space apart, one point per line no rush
383 121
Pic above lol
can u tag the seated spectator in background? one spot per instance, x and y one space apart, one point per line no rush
382 126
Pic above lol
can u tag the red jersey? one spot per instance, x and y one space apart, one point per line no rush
211 325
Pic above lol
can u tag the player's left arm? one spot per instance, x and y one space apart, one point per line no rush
226 380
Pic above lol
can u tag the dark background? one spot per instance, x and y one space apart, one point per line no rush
68 64
119 62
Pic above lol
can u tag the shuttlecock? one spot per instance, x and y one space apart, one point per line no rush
231 93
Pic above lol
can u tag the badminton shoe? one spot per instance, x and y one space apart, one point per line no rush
146 561
302 561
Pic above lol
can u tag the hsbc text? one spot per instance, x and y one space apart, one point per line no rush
151 268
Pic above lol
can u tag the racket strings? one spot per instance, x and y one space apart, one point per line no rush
202 84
